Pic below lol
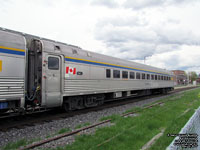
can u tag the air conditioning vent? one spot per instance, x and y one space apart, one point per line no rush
74 51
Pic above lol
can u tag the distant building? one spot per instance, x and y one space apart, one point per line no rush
180 77
198 79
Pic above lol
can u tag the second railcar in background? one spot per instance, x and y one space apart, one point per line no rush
38 72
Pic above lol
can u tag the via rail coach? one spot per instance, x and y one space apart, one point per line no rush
41 73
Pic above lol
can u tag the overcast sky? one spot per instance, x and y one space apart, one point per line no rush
164 32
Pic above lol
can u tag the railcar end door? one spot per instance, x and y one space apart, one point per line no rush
53 81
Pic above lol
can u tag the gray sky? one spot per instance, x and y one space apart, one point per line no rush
165 32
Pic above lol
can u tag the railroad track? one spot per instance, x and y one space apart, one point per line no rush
48 140
37 144
22 121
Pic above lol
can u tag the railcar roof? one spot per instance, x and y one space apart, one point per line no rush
94 56
37 37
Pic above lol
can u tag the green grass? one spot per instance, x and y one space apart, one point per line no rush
132 133
12 146
16 145
82 125
134 109
64 130
112 117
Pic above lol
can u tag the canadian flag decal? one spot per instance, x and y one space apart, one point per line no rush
70 70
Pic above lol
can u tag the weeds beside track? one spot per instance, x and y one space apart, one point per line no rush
165 114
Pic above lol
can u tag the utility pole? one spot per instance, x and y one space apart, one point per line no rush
188 77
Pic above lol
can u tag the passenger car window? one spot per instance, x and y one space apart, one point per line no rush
143 75
53 63
108 73
148 76
137 75
124 74
132 75
161 77
156 77
152 77
116 74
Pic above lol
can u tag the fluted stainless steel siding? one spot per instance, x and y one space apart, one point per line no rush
73 87
11 88
13 58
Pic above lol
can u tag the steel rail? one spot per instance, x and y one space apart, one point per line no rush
62 135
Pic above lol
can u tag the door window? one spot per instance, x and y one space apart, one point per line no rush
53 63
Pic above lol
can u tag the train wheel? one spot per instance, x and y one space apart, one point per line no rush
164 91
79 103
66 107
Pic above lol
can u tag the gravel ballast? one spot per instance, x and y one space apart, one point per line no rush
41 131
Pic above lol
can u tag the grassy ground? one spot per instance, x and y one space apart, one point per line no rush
132 133
64 130
16 145
82 125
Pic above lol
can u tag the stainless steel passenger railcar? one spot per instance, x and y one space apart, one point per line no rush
37 72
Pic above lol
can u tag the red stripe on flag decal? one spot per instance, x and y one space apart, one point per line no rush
67 70
74 71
